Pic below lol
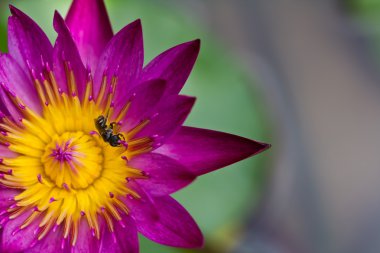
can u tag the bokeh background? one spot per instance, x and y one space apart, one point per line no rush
303 75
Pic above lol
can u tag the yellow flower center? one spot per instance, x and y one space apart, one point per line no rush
65 169
73 160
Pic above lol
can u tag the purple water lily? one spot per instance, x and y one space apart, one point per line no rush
92 142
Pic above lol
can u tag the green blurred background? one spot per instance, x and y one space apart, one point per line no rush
227 100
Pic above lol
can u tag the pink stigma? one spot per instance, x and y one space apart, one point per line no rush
63 153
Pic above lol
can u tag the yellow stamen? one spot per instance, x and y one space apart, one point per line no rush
102 91
49 92
54 84
40 91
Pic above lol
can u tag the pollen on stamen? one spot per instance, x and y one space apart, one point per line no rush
47 67
39 178
124 143
16 231
66 187
37 230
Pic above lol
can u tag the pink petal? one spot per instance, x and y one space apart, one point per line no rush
65 50
51 243
123 58
174 226
173 65
16 240
6 197
166 175
123 240
86 242
10 109
27 43
143 208
203 150
169 118
91 29
144 99
19 83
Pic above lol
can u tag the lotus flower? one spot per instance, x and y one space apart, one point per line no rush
92 142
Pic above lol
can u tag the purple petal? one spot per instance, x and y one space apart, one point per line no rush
174 227
123 58
91 29
16 80
170 116
123 240
144 99
11 109
166 175
65 50
173 65
27 43
203 150
16 240
51 243
86 242
142 208
6 197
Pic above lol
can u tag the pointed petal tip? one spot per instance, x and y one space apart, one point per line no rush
16 12
193 45
57 14
197 242
190 98
136 24
188 101
264 147
196 43
57 20
13 9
